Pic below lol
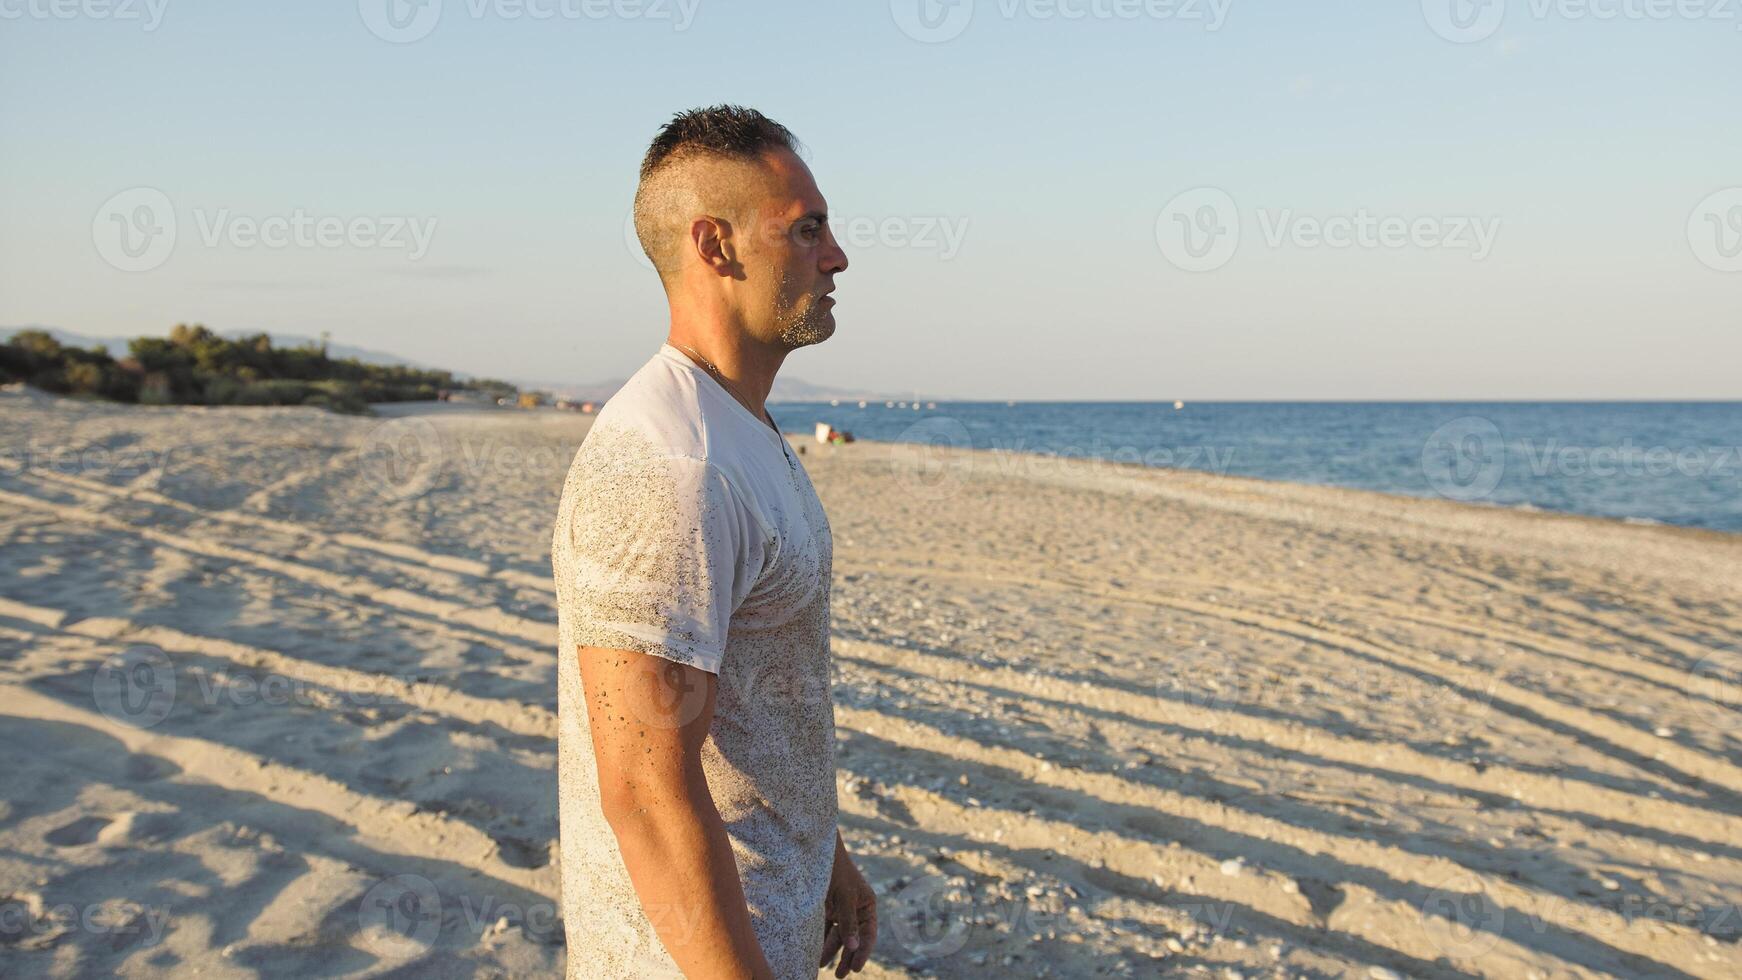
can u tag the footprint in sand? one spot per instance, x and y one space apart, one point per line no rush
522 853
78 833
148 769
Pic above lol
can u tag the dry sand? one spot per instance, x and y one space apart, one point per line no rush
275 703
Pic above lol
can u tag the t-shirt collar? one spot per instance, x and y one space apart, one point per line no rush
737 406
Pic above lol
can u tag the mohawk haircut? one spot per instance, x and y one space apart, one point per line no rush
725 132
729 131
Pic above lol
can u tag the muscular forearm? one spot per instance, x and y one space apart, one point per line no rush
680 861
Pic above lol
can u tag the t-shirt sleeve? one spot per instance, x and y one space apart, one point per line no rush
659 552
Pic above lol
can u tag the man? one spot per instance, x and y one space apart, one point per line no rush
693 563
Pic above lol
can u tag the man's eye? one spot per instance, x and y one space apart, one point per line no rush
808 232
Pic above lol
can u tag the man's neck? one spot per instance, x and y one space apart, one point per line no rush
747 366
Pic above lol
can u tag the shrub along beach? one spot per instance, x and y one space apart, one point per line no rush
195 366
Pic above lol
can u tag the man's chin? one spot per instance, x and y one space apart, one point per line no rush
814 330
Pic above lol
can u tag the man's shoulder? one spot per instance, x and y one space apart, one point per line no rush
659 411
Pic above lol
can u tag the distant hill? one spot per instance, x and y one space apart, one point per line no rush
116 346
800 390
336 351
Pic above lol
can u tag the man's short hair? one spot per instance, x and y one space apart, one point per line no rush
729 131
726 132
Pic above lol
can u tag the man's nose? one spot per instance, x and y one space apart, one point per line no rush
834 258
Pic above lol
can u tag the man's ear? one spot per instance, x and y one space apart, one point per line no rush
711 238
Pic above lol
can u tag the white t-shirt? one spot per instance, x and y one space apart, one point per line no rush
689 530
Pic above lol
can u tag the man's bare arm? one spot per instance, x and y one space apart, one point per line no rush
649 717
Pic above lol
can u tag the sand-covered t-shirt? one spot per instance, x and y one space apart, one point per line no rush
689 530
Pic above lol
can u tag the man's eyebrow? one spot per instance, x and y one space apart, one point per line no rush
818 216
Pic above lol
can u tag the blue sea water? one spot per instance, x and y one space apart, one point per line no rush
1668 462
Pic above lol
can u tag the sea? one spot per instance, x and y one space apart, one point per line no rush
1647 462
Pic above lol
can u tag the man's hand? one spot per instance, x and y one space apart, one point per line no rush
849 915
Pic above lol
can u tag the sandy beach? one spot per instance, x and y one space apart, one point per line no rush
277 694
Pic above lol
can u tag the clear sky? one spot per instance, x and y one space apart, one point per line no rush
1072 199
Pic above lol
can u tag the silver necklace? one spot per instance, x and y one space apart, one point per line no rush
719 376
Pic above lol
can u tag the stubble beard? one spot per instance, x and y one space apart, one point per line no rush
810 324
813 326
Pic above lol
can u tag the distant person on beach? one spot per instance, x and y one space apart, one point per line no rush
692 561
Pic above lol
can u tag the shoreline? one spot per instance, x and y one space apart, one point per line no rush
1282 487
